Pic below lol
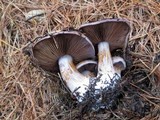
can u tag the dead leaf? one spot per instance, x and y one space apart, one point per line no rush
36 14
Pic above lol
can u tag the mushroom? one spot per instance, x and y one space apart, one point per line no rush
119 64
108 35
87 68
60 51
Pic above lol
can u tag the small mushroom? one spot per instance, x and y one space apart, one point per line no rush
113 31
87 68
119 64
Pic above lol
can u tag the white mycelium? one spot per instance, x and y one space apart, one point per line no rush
76 82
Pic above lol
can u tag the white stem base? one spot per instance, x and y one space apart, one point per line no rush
107 74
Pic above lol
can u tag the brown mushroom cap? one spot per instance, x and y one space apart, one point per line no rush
113 31
46 51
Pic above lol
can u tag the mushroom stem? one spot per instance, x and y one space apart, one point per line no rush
105 63
76 82
107 73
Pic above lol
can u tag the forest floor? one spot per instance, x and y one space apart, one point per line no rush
28 93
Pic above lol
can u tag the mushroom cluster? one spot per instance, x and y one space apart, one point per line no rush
83 58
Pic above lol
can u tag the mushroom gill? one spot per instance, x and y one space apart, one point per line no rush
113 31
46 51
